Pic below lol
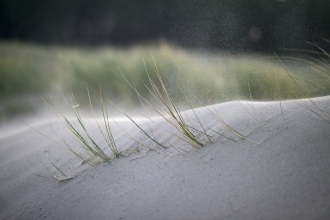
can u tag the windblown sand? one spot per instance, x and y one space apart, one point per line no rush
280 170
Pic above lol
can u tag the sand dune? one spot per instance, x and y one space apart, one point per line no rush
280 170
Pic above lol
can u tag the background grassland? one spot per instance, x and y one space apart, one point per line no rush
27 70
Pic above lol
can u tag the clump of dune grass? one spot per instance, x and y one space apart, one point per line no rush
250 82
87 142
92 151
108 137
164 106
172 116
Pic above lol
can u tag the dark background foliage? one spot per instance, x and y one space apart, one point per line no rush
255 25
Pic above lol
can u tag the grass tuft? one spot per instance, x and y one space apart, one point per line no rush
260 82
79 131
108 137
173 116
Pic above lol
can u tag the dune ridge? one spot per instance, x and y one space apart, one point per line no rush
279 170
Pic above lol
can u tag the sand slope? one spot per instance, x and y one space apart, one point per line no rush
281 170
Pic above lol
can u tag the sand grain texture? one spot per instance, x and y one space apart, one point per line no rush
280 171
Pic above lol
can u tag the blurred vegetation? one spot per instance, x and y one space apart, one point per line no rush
28 70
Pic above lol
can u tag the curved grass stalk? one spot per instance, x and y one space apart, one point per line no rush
126 134
154 123
220 134
66 146
59 179
218 118
199 122
86 142
176 122
108 137
141 129
305 93
173 110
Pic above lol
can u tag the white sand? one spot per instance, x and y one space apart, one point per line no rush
280 171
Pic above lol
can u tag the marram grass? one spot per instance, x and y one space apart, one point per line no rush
166 109
283 83
166 103
93 153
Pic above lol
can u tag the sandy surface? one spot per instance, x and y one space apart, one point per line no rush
281 170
